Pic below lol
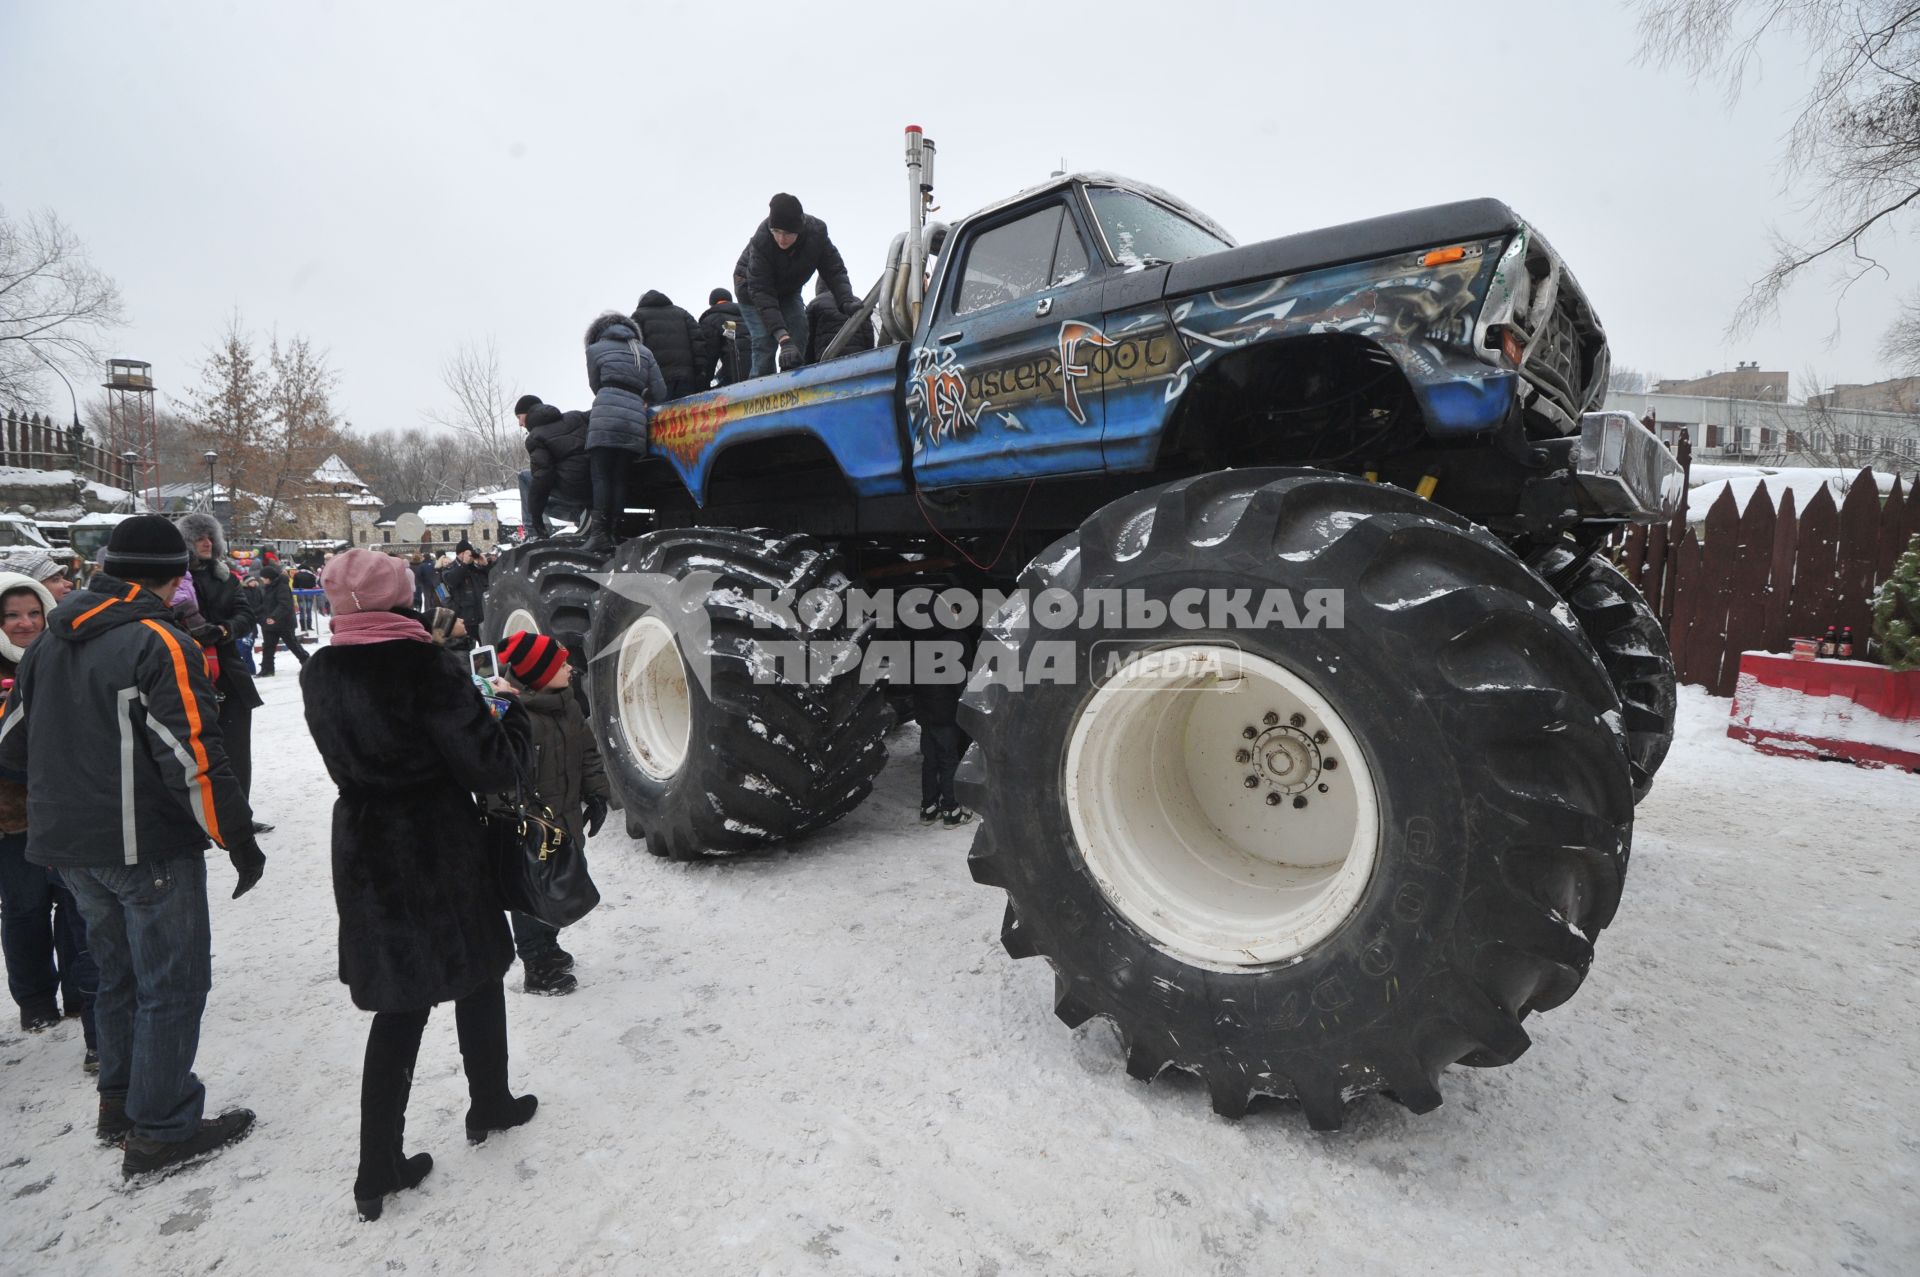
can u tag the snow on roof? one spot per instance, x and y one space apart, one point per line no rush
457 513
1709 481
22 477
506 505
335 471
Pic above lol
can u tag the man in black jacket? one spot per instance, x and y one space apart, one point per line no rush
111 721
729 353
466 583
557 481
824 321
281 621
783 254
229 614
675 340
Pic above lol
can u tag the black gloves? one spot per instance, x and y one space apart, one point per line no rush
249 862
789 356
596 813
205 634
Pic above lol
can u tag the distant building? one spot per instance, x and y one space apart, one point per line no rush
1901 394
405 527
1746 381
1762 432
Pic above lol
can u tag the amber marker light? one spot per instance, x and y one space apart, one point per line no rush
1441 256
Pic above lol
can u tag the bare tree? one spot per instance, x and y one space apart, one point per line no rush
54 305
230 407
1855 146
481 410
1627 381
301 428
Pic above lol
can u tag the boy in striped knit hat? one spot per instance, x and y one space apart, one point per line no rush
567 778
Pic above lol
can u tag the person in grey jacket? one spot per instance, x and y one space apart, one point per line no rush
626 383
112 721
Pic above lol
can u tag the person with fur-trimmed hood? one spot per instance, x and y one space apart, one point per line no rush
626 384
228 610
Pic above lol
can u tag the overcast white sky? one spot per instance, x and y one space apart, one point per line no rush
394 179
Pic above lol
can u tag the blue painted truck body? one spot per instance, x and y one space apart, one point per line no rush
1078 371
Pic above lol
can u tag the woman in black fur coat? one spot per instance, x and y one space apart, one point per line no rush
408 740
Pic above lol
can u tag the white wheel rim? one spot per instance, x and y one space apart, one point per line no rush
1213 869
521 619
656 714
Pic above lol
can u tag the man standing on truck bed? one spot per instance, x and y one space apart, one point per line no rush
782 256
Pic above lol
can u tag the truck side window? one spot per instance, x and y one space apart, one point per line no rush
1070 259
1010 262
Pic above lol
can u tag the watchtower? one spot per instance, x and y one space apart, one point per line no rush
130 421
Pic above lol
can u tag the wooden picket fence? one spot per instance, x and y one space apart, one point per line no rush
1763 575
36 442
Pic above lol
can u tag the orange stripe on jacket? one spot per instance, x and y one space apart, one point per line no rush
193 725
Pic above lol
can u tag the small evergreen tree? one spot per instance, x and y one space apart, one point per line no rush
1896 612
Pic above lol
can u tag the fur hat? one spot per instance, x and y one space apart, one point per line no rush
525 404
9 582
785 214
147 545
533 658
199 524
368 581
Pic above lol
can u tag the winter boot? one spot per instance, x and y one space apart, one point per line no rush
114 1125
145 1156
39 1016
600 536
90 1062
546 975
929 813
954 817
561 958
369 1194
516 1111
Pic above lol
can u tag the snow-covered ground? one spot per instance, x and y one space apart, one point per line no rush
822 1062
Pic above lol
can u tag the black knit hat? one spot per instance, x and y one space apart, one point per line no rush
147 546
719 296
784 213
525 404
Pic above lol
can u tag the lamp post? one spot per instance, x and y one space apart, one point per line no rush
132 459
211 457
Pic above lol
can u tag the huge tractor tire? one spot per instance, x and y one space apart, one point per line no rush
547 587
1633 646
710 746
1308 861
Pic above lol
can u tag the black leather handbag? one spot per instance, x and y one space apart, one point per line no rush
537 866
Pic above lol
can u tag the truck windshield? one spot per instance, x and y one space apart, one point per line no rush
1142 232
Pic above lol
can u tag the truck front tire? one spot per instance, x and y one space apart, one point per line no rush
1309 862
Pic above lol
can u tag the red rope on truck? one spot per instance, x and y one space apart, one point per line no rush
955 546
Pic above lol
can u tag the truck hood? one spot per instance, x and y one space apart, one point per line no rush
1458 222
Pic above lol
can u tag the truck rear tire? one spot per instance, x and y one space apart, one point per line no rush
727 762
1633 646
1302 862
546 587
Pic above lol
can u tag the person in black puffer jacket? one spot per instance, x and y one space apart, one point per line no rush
626 383
782 255
729 351
228 611
675 340
558 477
824 320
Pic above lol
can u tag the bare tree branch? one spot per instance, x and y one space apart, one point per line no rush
55 305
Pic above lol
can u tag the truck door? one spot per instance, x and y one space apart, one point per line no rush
1001 389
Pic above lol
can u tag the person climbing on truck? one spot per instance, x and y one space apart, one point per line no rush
728 351
556 478
674 337
626 383
825 318
783 254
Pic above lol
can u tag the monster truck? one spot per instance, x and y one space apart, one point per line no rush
1338 785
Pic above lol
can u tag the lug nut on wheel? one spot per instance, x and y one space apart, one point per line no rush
1297 719
1242 756
1320 737
1273 800
1299 800
1251 782
1331 764
1249 732
1270 718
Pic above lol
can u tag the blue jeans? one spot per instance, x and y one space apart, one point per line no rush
793 311
150 934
